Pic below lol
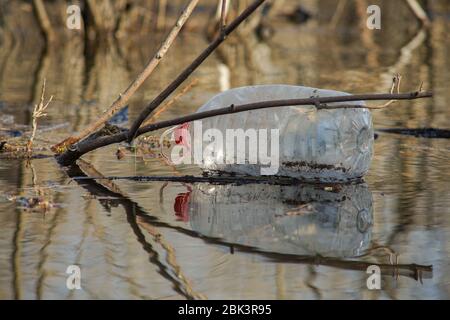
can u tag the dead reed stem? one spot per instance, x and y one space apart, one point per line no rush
38 112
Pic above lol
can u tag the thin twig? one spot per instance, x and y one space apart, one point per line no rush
396 81
171 102
38 112
223 14
135 85
88 145
418 11
191 68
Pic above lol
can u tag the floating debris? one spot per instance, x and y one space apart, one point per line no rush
420 132
120 117
10 133
34 204
120 153
7 119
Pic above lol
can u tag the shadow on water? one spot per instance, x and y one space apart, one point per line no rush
284 224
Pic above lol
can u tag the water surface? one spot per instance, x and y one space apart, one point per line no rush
158 240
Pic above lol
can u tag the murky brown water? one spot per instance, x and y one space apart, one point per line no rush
172 240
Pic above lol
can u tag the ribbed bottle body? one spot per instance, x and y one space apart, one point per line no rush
325 144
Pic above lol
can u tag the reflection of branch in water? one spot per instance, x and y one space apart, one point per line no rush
170 257
44 21
279 280
407 270
181 283
312 275
43 255
15 256
38 191
225 179
406 54
42 252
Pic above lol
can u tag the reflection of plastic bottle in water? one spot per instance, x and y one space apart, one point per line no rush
325 144
294 219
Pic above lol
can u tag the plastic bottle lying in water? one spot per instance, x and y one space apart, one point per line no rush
325 144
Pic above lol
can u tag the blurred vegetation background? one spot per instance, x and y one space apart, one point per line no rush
285 41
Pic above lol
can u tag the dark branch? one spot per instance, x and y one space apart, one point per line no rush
85 146
225 179
191 68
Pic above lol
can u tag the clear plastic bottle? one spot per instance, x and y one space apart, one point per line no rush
325 144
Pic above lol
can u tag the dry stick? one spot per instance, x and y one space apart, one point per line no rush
44 21
191 68
395 83
38 112
135 85
418 11
223 14
85 146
